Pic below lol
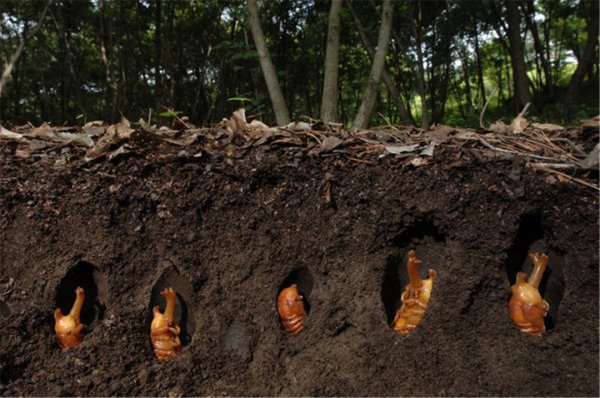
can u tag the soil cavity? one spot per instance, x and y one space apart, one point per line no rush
428 242
531 238
303 278
183 309
93 282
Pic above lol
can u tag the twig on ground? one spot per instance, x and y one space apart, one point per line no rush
520 153
564 175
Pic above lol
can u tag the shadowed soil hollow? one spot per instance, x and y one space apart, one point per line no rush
227 237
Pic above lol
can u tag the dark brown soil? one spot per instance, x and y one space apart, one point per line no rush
228 235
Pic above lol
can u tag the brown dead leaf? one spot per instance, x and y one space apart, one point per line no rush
592 159
123 149
20 153
124 130
591 123
418 162
182 141
328 145
9 134
94 123
258 125
44 130
547 126
518 125
438 136
499 127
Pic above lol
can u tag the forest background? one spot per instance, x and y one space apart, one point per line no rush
99 59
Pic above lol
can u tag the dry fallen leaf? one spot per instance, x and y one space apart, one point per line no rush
328 145
428 151
418 162
499 127
547 126
9 134
592 161
518 125
396 149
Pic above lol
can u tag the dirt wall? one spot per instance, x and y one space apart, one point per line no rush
228 238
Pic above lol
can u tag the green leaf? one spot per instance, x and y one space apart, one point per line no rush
239 99
80 116
169 113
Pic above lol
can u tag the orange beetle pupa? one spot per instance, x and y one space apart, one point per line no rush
291 310
414 298
164 332
526 307
68 327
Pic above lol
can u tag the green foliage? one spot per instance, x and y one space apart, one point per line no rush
95 59
170 114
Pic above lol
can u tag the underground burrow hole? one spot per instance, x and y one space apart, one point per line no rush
303 279
530 238
429 244
183 313
93 282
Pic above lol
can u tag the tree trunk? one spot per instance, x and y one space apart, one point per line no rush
111 84
8 67
479 69
372 87
465 65
517 59
157 54
329 102
587 60
174 55
68 59
421 77
281 111
405 115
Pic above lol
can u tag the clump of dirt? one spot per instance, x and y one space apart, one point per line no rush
227 236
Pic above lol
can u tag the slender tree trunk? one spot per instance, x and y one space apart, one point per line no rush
421 76
458 99
68 59
529 12
479 69
405 115
372 87
9 65
111 84
17 76
517 58
507 70
430 71
157 54
465 65
282 114
329 102
174 56
443 89
587 60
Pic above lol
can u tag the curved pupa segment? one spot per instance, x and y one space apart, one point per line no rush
68 327
414 298
291 309
164 332
526 306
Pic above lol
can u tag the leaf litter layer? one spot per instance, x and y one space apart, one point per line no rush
227 214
